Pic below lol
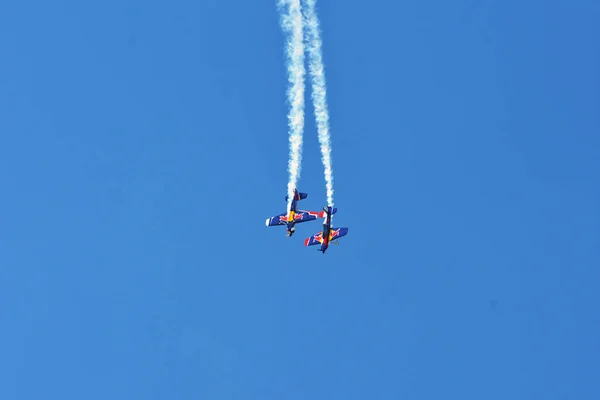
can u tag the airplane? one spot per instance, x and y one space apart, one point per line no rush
295 216
328 234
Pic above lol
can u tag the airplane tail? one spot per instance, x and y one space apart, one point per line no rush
299 196
327 210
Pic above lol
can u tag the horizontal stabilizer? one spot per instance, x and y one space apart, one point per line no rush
333 211
299 196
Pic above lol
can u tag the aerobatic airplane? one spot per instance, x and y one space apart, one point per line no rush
295 216
328 234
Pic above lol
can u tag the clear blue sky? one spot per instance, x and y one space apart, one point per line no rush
144 144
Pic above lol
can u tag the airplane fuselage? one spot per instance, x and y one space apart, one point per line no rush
291 217
326 231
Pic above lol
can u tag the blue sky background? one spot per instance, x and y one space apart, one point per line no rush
144 143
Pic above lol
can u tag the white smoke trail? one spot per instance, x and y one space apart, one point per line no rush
319 90
291 23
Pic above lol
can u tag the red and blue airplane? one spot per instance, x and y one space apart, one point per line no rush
295 216
328 234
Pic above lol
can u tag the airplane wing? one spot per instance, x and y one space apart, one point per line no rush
280 219
304 216
337 233
318 214
314 239
301 216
